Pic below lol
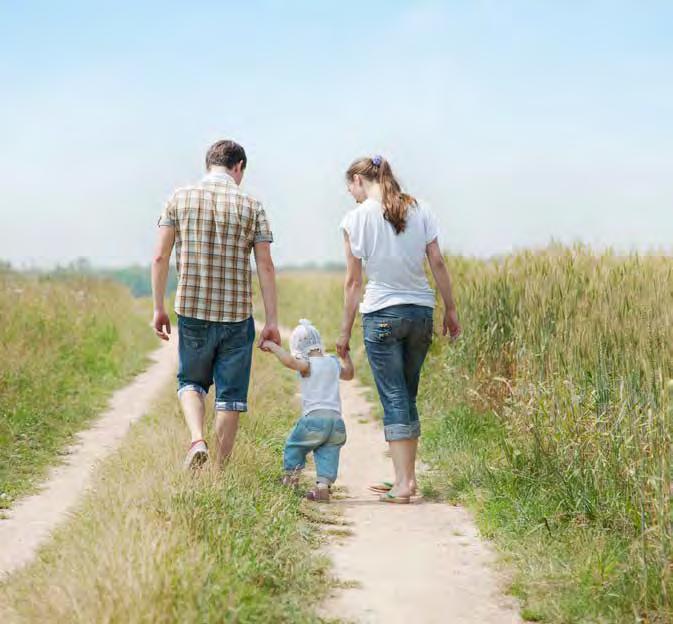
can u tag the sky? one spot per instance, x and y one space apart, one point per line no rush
517 122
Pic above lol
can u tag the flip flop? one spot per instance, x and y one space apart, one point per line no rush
391 498
381 488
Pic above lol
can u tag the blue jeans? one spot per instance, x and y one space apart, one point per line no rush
323 432
397 340
222 352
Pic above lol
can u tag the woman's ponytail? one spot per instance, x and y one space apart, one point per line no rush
395 203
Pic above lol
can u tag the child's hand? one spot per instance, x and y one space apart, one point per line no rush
268 346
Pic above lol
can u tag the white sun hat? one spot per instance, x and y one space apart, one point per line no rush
304 339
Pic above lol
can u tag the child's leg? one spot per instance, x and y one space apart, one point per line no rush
297 446
327 455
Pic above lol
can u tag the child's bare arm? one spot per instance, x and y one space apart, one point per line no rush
347 368
286 358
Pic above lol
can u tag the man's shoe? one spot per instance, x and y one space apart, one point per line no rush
197 455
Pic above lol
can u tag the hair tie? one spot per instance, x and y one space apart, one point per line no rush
377 160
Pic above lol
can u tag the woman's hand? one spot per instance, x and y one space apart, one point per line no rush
451 325
343 345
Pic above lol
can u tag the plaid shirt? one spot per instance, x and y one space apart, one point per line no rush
216 225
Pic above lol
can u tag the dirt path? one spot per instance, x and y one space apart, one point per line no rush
419 563
422 562
32 519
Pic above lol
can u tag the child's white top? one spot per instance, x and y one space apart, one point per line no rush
394 263
320 390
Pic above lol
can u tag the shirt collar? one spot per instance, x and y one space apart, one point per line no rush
220 176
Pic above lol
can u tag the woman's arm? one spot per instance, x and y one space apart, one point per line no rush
285 358
352 293
443 280
347 368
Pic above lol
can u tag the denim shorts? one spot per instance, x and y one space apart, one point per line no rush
397 340
322 431
221 352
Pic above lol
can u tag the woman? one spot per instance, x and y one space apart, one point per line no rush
393 234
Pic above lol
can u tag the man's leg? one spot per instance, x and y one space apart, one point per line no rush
195 374
226 426
194 409
233 361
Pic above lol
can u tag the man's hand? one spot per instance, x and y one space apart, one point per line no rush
451 325
159 322
270 332
343 345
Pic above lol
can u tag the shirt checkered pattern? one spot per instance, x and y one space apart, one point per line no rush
216 225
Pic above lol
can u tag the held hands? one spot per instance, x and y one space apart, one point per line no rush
161 324
268 346
271 334
343 345
451 325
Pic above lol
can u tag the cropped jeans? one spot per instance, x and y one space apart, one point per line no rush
322 431
397 340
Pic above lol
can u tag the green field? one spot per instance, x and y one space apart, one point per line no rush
65 344
551 418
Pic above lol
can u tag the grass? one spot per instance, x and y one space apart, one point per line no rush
551 418
65 344
153 544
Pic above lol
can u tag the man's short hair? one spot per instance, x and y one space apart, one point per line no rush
225 154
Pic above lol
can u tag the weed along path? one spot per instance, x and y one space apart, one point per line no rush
32 519
422 563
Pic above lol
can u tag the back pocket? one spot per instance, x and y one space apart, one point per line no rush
380 329
193 333
237 335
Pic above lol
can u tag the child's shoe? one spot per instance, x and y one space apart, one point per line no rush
320 493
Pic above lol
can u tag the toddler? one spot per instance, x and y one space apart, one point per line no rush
320 428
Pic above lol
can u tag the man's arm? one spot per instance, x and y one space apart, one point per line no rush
266 274
160 262
352 292
285 358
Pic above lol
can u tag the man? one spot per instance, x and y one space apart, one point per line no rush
214 226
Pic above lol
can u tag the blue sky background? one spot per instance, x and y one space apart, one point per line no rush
517 121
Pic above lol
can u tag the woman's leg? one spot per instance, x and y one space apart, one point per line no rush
416 345
403 453
384 338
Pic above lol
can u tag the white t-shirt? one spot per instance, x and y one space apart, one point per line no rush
394 263
320 390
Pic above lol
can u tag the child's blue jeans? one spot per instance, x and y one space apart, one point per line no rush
320 431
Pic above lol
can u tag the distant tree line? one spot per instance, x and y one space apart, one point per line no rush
138 277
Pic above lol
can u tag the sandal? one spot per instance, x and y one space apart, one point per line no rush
381 488
385 487
391 498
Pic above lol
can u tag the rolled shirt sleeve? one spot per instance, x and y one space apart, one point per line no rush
263 233
431 225
353 226
168 217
